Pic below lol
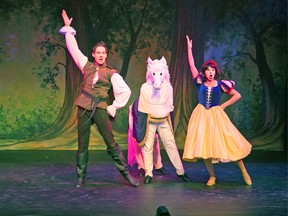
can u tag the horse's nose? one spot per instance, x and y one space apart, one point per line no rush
157 85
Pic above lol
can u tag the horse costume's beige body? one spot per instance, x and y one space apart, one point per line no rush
156 100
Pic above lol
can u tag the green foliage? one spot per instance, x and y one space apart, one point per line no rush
7 7
122 115
237 48
280 77
246 113
46 72
5 127
30 123
157 26
121 123
47 77
1 54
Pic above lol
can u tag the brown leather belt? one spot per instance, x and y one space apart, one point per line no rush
95 100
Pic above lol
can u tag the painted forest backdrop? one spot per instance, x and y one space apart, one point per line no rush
39 81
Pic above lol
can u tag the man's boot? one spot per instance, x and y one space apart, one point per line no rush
81 167
121 164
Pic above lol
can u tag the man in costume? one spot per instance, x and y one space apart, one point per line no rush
152 113
135 153
98 78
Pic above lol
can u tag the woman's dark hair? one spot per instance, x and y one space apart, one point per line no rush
101 43
211 64
203 69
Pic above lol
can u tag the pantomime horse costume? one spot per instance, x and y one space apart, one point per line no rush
150 114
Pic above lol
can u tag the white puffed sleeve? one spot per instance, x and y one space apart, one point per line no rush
121 93
72 46
227 85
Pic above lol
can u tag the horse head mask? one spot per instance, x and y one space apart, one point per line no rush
157 72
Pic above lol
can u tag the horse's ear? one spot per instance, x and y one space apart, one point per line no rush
149 60
163 60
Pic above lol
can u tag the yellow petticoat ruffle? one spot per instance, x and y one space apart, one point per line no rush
211 134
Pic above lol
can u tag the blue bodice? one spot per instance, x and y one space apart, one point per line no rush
211 96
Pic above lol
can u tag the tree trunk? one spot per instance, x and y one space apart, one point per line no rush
128 54
66 120
273 124
133 40
189 22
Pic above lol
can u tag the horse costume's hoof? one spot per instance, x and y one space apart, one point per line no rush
162 170
141 172
184 177
147 179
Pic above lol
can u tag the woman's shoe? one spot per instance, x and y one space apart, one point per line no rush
247 178
211 181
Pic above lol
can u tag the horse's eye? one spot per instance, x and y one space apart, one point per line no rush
153 73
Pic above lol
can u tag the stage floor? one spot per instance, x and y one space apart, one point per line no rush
43 183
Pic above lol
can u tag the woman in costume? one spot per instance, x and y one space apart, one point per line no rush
210 133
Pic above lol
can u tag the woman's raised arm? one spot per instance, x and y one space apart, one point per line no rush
193 69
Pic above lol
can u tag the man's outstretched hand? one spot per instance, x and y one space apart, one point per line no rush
66 20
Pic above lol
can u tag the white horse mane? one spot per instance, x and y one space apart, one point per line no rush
159 67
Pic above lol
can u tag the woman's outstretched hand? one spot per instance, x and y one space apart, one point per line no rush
66 20
189 42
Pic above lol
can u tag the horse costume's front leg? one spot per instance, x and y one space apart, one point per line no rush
157 160
167 137
147 150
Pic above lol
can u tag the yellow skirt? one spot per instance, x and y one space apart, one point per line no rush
211 134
